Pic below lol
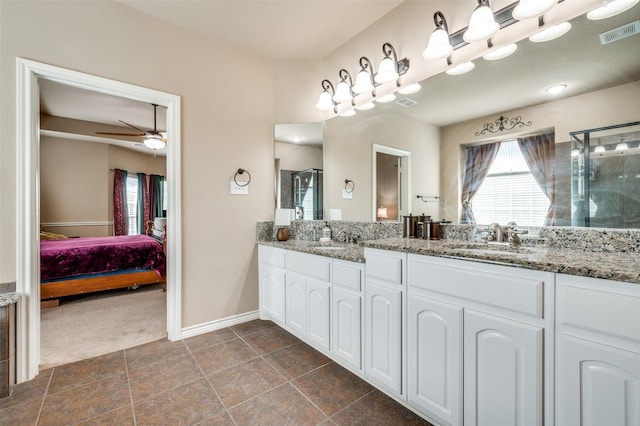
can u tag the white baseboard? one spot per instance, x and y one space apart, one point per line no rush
207 327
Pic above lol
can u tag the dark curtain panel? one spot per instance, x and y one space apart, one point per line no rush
540 154
157 197
120 202
142 207
152 198
478 163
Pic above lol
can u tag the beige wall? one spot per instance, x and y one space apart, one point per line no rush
76 183
349 155
227 123
616 105
298 157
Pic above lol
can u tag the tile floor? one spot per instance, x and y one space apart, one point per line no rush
250 374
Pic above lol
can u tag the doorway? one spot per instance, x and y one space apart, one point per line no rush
28 199
391 183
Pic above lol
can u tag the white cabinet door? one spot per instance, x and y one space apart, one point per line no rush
502 371
434 359
596 384
383 335
297 303
318 308
272 294
346 325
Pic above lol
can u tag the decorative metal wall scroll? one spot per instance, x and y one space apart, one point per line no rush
503 123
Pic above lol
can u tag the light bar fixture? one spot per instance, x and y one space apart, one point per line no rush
611 8
439 46
482 25
532 8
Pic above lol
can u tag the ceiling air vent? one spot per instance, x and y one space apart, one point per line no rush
406 102
620 32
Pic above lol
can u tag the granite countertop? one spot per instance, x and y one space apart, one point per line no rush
8 298
619 266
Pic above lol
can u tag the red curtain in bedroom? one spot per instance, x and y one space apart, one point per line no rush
120 203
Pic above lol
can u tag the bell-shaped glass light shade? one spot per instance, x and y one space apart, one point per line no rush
532 8
611 8
154 142
363 82
366 106
551 33
390 97
324 102
439 46
343 92
622 146
598 149
482 25
410 89
461 69
501 52
387 71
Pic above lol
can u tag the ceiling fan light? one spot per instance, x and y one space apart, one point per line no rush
551 33
482 25
501 52
439 46
532 8
387 71
611 8
154 142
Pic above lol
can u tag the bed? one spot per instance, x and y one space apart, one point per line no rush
72 266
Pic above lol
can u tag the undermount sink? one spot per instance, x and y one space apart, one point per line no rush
487 247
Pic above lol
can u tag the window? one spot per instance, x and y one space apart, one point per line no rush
132 204
509 192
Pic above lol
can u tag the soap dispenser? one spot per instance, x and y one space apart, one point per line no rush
326 233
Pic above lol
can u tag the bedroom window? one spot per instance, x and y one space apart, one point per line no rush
510 192
132 201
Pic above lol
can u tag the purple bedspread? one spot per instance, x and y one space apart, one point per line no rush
77 256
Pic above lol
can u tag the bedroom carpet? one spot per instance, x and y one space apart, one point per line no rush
87 326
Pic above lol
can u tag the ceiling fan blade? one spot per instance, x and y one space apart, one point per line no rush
132 126
121 134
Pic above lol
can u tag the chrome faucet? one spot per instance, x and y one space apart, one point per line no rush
346 236
508 234
495 233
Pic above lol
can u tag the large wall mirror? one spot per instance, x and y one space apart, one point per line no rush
603 88
299 169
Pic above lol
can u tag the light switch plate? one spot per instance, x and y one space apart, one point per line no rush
239 190
347 195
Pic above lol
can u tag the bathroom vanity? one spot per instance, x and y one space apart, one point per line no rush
467 334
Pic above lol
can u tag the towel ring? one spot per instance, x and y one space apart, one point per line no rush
241 172
349 186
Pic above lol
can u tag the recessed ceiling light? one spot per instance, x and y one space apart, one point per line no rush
551 33
461 69
611 8
554 90
501 52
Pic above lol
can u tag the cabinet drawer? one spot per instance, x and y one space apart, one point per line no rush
384 265
347 276
517 290
608 307
312 266
272 256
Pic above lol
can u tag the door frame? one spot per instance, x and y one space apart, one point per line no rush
404 195
28 73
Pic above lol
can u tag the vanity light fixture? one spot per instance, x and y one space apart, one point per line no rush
611 8
439 46
410 89
390 68
343 89
551 33
482 24
325 102
532 8
575 152
622 146
558 88
599 149
463 68
501 52
364 79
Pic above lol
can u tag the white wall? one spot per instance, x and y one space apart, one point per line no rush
225 125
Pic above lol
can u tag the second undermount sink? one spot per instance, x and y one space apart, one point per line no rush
329 248
499 247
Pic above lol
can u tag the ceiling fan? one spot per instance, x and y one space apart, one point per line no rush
154 139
